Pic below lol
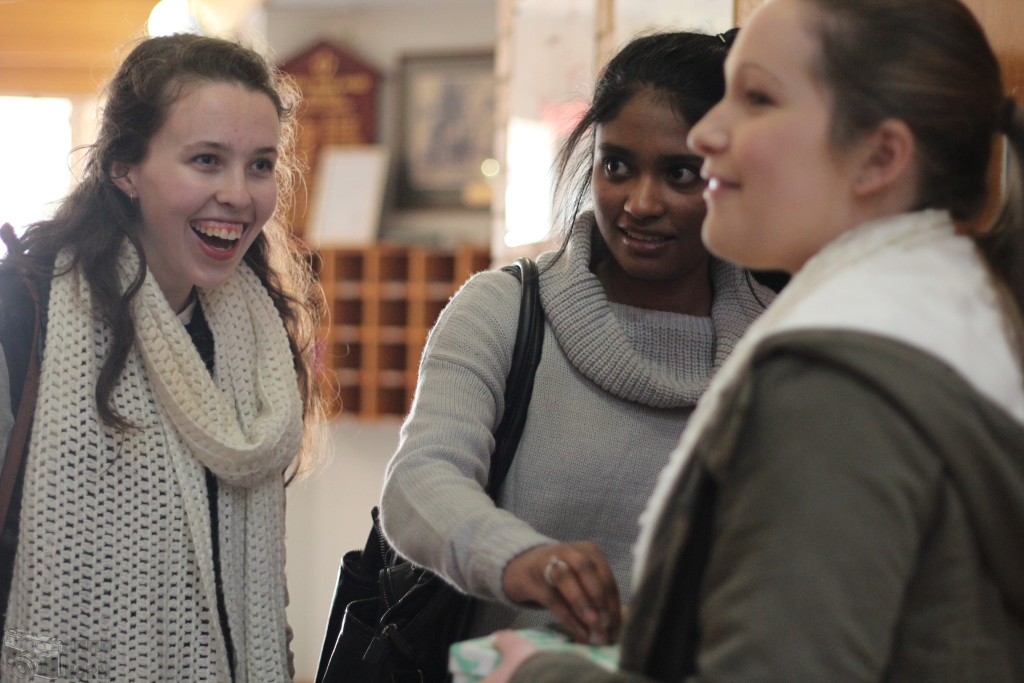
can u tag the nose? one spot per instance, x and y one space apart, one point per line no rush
645 198
709 136
233 189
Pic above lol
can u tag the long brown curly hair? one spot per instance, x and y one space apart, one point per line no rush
96 218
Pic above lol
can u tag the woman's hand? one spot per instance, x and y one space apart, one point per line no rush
514 650
573 580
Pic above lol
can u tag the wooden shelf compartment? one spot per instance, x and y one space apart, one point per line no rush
383 300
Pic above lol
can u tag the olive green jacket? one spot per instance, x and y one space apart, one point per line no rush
875 533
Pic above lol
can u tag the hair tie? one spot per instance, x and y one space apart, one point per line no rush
728 37
1008 114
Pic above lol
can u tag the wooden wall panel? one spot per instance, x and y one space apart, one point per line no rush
65 47
1004 23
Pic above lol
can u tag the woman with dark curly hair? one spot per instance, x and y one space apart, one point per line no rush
145 529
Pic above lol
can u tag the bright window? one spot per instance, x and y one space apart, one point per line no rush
35 147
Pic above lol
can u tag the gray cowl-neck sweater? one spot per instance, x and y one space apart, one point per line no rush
614 389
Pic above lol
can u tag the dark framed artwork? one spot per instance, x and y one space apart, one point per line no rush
447 130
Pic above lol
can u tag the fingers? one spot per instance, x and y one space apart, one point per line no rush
583 581
576 619
575 582
554 564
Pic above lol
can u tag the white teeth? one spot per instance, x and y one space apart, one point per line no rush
643 238
221 233
713 183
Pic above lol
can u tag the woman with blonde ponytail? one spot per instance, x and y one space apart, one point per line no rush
847 501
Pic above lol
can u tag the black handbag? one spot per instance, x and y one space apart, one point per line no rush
20 338
391 620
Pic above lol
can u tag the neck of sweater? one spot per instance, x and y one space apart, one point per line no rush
632 364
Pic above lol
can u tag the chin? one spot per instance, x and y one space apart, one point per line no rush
726 240
213 280
713 242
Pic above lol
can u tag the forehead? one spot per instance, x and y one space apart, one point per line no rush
780 39
222 110
646 109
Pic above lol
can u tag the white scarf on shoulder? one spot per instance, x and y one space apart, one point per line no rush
908 277
115 557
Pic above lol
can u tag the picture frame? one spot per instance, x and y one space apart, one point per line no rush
347 199
446 130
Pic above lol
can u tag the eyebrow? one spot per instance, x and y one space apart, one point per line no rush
209 144
751 66
612 148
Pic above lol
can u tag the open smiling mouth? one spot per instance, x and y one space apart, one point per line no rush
643 237
220 236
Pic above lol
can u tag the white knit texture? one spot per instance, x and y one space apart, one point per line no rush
115 539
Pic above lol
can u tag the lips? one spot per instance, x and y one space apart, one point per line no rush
715 183
218 234
225 230
642 243
717 188
643 236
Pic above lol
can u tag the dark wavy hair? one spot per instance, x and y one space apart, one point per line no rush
684 68
96 218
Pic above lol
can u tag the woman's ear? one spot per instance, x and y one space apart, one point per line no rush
887 160
120 174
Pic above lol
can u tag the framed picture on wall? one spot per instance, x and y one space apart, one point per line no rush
446 107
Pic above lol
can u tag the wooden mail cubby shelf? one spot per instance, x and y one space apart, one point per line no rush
383 300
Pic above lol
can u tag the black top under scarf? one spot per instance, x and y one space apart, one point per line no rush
202 337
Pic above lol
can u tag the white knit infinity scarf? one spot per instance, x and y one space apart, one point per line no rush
115 556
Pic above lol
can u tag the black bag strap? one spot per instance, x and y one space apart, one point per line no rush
377 554
521 373
20 332
26 404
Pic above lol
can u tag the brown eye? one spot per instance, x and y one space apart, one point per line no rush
757 98
684 175
263 165
615 168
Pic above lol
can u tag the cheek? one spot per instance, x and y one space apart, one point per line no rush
607 200
160 209
688 211
715 234
176 198
732 227
266 200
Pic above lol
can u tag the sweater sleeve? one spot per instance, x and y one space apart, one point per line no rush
433 507
819 522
